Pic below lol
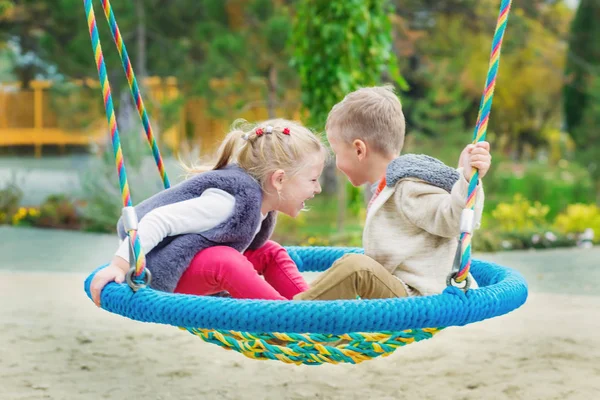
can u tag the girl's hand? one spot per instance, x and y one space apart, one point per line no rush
115 272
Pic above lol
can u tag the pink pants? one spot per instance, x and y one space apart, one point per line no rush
220 268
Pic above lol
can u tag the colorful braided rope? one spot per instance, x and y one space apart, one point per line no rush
481 130
114 131
313 348
135 90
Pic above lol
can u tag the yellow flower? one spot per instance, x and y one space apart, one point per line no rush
16 219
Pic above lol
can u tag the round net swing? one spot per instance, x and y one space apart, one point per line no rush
307 332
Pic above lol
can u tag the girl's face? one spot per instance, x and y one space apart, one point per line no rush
296 190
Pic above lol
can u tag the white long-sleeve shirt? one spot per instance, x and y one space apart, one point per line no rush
196 215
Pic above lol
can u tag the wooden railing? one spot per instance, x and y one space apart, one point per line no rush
37 117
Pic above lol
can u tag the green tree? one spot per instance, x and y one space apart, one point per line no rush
339 46
242 44
23 22
5 7
587 134
527 100
583 63
437 117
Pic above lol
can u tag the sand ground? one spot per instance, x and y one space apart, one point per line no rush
55 344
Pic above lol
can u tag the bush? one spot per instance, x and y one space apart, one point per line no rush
577 218
493 240
523 225
318 226
10 198
101 196
555 186
25 216
58 211
287 230
519 215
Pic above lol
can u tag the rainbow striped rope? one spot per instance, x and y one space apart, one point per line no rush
481 130
114 132
135 90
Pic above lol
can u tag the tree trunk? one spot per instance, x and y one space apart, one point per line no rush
272 92
141 39
26 75
142 69
329 179
26 72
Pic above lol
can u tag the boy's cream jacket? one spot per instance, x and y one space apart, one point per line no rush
412 229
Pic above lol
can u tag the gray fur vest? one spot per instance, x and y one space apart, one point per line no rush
170 258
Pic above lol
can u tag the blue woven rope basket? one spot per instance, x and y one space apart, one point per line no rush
500 291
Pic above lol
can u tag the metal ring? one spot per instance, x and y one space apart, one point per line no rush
135 285
451 282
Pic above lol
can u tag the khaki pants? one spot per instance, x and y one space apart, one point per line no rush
352 276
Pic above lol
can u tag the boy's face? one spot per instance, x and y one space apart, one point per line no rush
347 159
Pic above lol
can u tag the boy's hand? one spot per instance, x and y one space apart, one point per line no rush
477 156
114 272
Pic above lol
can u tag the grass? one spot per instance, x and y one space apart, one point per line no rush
318 226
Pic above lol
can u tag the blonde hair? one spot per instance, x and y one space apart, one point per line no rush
372 114
286 147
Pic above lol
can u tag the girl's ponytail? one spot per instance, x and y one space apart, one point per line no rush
228 148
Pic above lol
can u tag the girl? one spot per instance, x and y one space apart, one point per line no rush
210 233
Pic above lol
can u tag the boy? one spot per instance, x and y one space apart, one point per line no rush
413 219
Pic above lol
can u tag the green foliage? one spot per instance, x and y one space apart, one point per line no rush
318 224
25 216
339 46
64 40
587 134
454 43
5 7
58 211
10 198
539 238
440 113
520 224
355 199
557 187
243 44
75 106
582 65
100 194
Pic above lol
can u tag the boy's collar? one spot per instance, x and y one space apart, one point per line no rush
422 167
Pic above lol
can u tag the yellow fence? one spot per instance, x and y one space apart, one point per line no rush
43 115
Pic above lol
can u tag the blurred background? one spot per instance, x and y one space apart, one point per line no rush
202 64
